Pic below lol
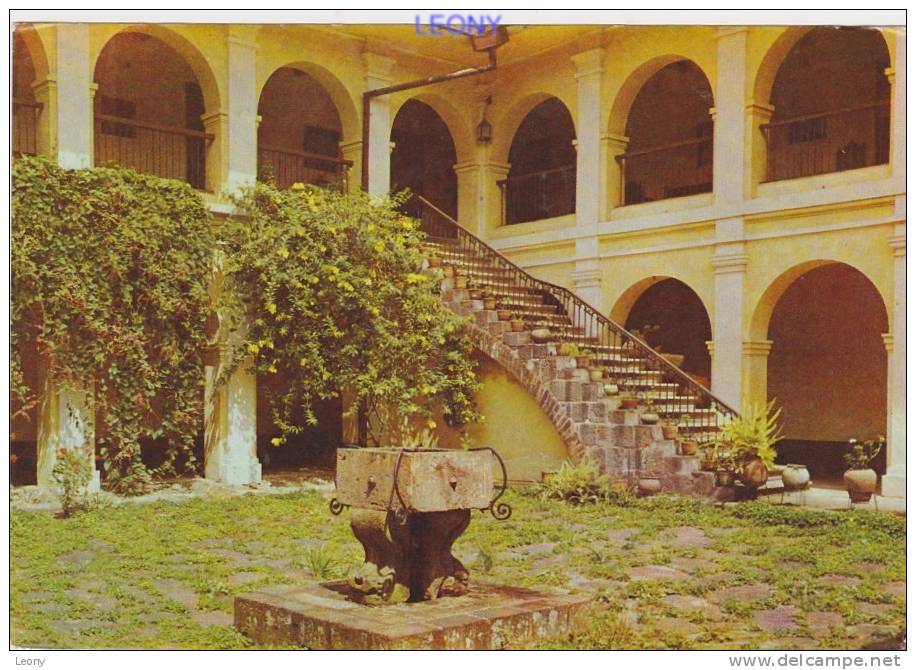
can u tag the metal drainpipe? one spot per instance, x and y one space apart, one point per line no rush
437 79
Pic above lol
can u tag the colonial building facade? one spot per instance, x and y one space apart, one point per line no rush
737 194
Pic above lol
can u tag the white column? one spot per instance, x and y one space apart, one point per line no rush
230 422
729 146
589 175
472 195
353 152
756 355
729 262
73 110
894 482
896 74
378 75
757 114
66 420
242 105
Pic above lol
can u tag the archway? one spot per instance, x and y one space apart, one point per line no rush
669 153
542 178
831 103
671 318
148 109
300 132
424 157
827 368
25 107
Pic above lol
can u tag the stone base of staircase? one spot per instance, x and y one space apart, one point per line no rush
593 424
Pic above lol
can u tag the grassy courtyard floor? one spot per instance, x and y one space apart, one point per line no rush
666 573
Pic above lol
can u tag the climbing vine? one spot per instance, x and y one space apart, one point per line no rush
326 291
110 270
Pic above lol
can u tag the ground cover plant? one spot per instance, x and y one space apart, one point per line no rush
665 572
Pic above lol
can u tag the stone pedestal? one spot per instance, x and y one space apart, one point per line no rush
320 616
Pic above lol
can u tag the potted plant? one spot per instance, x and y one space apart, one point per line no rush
726 466
448 270
650 418
517 323
669 430
688 447
541 332
583 356
489 299
628 400
503 313
610 388
860 478
568 349
596 373
474 291
433 258
461 278
648 483
707 458
795 477
751 438
642 334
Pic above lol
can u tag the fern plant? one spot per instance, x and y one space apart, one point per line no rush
752 435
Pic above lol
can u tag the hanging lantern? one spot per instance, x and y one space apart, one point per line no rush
484 129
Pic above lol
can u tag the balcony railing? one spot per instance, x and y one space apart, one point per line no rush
539 195
287 167
25 126
669 171
165 151
833 141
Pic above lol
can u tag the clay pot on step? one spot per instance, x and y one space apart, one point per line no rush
725 478
540 335
461 282
489 303
649 418
754 474
596 374
648 486
860 484
448 271
503 314
795 477
688 447
517 325
677 360
434 261
582 362
611 389
669 431
628 403
475 293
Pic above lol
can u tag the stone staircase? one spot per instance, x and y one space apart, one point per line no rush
592 423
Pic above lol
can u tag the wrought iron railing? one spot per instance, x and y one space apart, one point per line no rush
287 167
165 151
634 366
539 195
25 126
669 171
841 139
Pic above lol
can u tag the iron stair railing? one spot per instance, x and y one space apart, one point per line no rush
635 367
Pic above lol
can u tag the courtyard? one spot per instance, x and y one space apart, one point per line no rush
664 572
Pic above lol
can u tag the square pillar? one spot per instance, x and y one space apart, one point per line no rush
494 205
729 142
756 353
353 152
241 123
378 75
66 420
729 267
755 168
230 422
896 74
893 483
472 195
613 146
73 113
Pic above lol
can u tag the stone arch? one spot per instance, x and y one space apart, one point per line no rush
210 88
633 84
340 96
624 303
461 134
506 124
36 50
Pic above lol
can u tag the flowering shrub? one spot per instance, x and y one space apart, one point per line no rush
327 290
110 270
72 473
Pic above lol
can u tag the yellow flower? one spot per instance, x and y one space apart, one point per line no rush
379 246
272 369
370 228
298 186
414 278
272 308
276 441
283 253
431 424
253 348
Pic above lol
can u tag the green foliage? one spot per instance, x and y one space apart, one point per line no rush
320 561
749 436
72 473
109 283
582 483
326 288
136 480
861 454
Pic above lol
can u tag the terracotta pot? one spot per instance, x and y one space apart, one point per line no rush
754 474
517 325
611 389
629 403
596 374
725 478
540 335
582 362
688 447
434 261
677 360
860 484
476 293
648 486
649 418
708 464
795 476
448 270
489 303
503 314
669 431
461 282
